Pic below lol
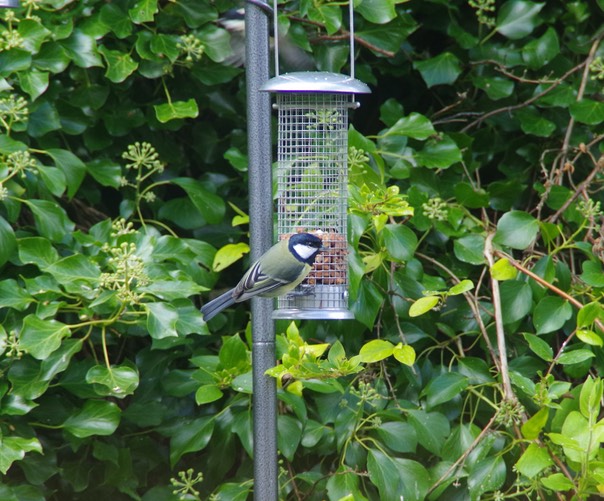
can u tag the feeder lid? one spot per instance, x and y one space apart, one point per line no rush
316 81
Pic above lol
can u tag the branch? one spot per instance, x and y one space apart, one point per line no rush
508 392
546 284
529 101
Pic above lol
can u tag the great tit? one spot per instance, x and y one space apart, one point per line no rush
291 57
278 271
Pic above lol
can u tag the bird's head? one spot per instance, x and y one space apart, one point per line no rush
305 247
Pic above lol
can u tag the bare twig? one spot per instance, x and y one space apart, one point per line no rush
508 391
529 101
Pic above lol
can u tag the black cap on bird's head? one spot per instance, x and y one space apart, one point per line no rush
305 247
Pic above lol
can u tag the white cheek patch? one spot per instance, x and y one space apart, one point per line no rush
305 251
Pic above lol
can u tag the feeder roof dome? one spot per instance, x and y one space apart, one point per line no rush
315 81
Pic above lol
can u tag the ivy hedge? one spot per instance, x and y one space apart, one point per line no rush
473 368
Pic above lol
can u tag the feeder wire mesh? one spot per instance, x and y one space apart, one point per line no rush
312 179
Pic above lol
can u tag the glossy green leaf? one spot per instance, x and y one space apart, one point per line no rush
71 166
461 288
176 110
344 484
537 53
50 219
516 300
414 125
117 381
431 428
439 153
161 320
440 70
8 241
533 426
120 65
589 337
377 11
116 20
34 83
588 314
539 347
444 388
503 270
191 436
82 49
229 254
551 313
14 448
588 111
470 249
593 274
533 461
289 433
143 11
13 295
487 475
400 241
210 205
376 350
575 356
423 305
208 393
532 122
404 353
383 473
495 87
557 482
367 304
97 417
41 337
516 229
518 18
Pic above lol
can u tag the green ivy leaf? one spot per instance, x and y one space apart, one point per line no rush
13 295
516 229
8 241
551 313
587 111
117 381
439 153
414 125
176 110
593 274
461 287
191 436
532 122
486 475
71 166
50 219
516 300
557 482
575 356
518 18
229 254
97 417
534 460
34 83
432 428
440 70
120 65
444 388
82 49
210 205
589 337
377 11
41 337
143 11
539 347
289 433
404 353
470 249
376 350
208 393
533 426
400 241
14 448
161 320
503 270
537 53
423 305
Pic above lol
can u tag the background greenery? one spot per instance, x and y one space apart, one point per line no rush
473 367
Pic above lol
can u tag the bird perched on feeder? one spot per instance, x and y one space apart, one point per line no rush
278 271
292 57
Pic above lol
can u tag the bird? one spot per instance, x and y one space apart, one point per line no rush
292 57
278 271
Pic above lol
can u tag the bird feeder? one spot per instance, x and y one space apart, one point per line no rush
9 4
312 184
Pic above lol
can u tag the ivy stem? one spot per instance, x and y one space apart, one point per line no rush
508 392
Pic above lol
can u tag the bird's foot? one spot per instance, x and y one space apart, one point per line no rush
300 291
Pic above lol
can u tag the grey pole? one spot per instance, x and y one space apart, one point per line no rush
261 231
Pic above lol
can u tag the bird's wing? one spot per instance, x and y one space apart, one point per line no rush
257 283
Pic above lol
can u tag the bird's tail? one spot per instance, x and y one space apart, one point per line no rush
214 307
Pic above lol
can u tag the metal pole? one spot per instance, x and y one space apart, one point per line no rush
261 230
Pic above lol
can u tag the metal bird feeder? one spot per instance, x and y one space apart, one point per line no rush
312 182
